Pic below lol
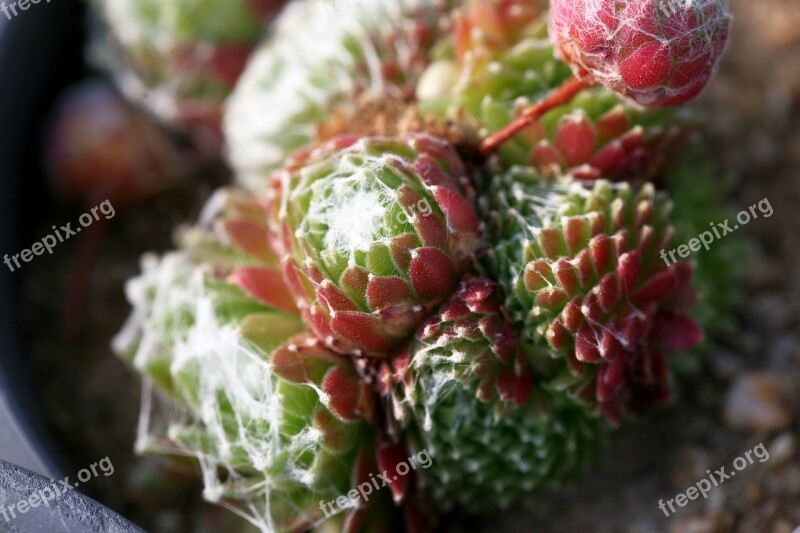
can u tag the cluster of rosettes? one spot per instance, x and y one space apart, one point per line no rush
501 309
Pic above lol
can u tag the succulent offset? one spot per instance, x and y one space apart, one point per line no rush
277 421
582 269
183 57
394 285
501 62
656 53
467 394
322 61
375 233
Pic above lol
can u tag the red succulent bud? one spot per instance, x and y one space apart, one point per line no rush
658 53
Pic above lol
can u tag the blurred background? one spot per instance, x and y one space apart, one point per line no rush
66 401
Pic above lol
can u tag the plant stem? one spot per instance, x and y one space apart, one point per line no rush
558 97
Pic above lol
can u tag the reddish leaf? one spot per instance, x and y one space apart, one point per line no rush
575 139
383 291
363 330
676 331
460 215
586 345
343 390
251 238
264 285
389 457
432 273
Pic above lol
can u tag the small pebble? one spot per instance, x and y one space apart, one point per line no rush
711 523
782 526
757 402
781 450
782 352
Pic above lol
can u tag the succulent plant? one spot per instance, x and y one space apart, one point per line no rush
228 258
656 53
183 57
277 421
375 233
475 66
320 66
599 136
352 263
501 62
495 55
287 427
464 391
583 271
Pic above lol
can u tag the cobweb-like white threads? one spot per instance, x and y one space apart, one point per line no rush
351 209
678 36
225 410
466 435
308 63
353 214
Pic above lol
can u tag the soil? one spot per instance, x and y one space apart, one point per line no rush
752 131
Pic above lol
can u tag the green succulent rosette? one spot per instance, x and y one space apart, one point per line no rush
375 233
182 57
585 277
464 392
323 59
498 61
277 422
